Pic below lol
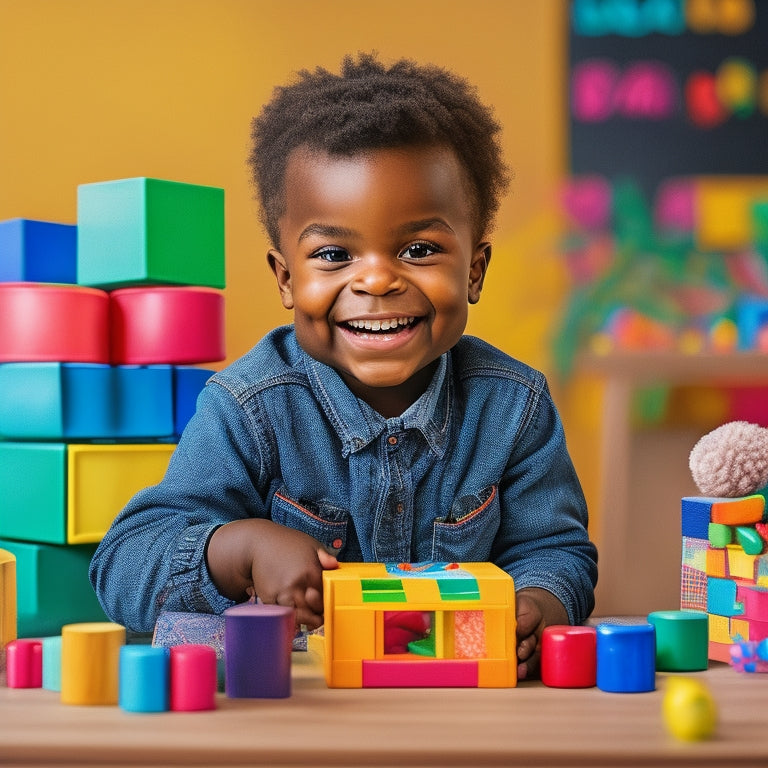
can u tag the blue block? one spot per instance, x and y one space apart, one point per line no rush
81 401
626 657
37 251
721 597
695 512
187 385
144 678
751 318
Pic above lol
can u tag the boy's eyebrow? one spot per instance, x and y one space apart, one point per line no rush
410 228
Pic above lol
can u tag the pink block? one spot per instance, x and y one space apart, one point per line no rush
569 657
755 602
192 678
46 322
420 674
177 325
24 664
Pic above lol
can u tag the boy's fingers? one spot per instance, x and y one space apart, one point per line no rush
328 562
314 600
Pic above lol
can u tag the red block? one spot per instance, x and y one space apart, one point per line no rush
755 601
47 322
569 657
24 664
177 325
192 678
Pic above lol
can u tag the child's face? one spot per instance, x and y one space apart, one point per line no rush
378 262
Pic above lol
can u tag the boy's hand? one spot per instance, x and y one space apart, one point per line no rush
281 565
536 609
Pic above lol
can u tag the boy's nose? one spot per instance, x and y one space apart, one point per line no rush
378 276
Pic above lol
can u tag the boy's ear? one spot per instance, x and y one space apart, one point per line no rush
477 269
279 266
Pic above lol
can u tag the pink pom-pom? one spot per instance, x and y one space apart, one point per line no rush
731 461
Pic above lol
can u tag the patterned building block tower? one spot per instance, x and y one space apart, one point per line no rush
725 536
102 328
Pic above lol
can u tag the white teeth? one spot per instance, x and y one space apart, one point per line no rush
381 325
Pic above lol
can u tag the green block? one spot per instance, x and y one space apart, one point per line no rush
33 493
53 588
719 535
381 585
384 597
458 589
749 540
682 640
149 231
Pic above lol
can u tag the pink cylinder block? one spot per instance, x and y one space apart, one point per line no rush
24 664
177 325
568 656
192 678
46 322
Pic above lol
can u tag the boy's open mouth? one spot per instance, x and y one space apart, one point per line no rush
388 325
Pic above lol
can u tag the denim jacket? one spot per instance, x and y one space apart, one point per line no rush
475 470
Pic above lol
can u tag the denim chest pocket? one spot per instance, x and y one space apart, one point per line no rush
467 533
325 522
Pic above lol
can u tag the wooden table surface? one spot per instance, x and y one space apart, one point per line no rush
317 726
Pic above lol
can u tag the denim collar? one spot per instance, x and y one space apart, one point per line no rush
357 424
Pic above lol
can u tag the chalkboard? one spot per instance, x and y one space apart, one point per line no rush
667 88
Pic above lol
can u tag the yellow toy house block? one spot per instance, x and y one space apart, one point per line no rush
101 479
419 625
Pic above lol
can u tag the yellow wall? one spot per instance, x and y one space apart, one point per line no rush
93 90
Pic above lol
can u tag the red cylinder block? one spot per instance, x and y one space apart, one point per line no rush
569 657
176 325
24 664
48 322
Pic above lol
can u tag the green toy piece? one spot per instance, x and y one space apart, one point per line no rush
720 535
749 540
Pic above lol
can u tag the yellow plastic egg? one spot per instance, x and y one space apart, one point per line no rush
689 711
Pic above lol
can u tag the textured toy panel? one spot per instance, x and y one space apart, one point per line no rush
43 322
37 251
101 479
66 401
177 325
150 231
53 588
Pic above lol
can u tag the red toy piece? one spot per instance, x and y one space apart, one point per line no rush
176 325
45 322
568 656
24 664
193 678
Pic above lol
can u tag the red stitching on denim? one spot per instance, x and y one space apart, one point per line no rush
305 510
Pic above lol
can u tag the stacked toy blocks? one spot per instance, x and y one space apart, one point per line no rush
103 325
725 568
461 617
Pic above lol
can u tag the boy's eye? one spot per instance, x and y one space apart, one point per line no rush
332 255
419 251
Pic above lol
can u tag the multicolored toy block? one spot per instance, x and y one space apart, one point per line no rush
53 588
467 634
725 568
56 323
69 493
150 231
172 324
37 251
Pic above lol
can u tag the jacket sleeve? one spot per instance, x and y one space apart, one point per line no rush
543 540
152 558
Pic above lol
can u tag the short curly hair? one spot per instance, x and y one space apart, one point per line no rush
370 106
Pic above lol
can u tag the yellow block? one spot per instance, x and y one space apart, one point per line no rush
90 662
740 564
724 210
8 616
354 634
719 629
101 479
716 562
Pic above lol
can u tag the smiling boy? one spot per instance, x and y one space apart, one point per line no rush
371 429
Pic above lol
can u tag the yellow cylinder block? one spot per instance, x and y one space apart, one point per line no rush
90 662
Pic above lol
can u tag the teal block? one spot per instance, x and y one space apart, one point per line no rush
53 587
33 493
52 663
30 401
145 231
721 597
